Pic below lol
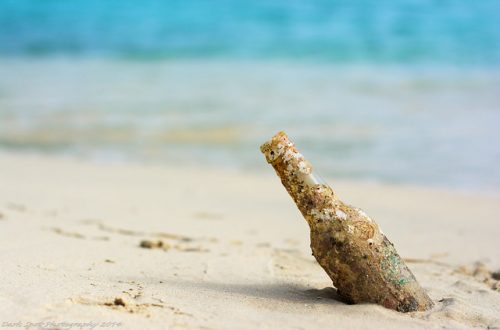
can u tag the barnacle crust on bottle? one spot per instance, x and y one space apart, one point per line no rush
362 263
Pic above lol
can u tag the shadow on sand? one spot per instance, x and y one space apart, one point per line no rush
282 292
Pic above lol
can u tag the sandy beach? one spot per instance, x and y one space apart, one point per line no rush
133 194
93 244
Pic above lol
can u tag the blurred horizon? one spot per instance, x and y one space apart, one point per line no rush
394 91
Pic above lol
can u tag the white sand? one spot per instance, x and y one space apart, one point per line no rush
70 233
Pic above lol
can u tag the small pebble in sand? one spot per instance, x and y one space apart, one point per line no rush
117 302
156 244
159 244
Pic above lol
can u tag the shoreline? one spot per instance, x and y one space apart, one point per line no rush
234 249
259 170
356 121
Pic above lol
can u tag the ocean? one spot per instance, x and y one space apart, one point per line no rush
393 91
385 31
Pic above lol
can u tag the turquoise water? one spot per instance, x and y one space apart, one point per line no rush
392 91
461 32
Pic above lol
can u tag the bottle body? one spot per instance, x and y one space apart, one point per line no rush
362 263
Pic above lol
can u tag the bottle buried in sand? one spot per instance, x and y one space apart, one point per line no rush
362 263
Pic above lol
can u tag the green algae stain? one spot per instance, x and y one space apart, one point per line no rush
403 281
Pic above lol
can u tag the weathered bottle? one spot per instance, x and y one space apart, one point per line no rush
362 263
